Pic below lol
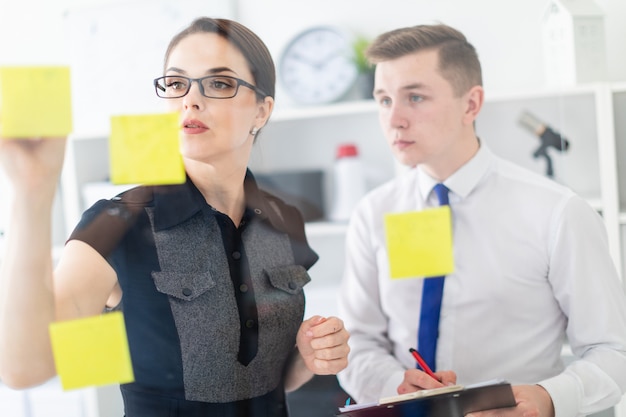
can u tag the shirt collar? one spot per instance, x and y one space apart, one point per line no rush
174 204
462 181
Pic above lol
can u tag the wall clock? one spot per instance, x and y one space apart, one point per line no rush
317 65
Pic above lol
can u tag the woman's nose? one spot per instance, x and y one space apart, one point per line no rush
194 97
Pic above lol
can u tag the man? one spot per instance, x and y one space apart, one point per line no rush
532 266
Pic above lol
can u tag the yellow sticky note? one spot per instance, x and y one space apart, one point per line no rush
35 102
419 243
92 351
144 150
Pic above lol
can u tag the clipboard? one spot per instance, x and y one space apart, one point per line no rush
453 401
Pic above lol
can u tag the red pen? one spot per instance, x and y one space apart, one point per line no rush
422 363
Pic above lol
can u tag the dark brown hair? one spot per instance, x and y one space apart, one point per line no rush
251 46
458 60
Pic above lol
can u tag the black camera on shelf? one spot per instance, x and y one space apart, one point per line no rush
549 138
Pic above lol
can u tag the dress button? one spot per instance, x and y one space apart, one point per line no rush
243 288
187 292
236 255
292 285
249 324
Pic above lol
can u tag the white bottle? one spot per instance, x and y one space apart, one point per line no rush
348 182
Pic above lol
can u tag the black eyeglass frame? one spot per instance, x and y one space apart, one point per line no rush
239 82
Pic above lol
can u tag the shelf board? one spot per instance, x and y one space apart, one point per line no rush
325 228
596 203
619 87
303 112
87 136
546 92
287 113
312 112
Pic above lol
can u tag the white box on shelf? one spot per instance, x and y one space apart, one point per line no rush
574 43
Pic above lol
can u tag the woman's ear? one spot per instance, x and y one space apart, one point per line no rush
265 111
474 99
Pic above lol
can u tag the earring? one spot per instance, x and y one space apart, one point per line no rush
254 131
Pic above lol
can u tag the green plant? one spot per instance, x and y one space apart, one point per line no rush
359 46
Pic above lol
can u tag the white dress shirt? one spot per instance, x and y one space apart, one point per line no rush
532 269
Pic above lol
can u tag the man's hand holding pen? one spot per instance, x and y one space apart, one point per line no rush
532 400
416 380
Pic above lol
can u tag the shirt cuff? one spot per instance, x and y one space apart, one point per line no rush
390 388
561 387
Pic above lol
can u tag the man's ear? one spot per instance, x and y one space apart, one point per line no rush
474 99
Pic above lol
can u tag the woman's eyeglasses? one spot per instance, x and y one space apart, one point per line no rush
213 86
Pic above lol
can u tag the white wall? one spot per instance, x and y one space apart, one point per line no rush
506 33
31 31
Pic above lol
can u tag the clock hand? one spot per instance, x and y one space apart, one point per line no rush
329 58
305 60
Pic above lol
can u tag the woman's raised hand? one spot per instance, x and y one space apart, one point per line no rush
33 164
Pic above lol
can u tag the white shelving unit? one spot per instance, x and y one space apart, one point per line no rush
586 116
304 138
591 117
619 121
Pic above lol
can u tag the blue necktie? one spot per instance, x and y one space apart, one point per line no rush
431 304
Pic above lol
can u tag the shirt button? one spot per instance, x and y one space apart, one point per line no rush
243 288
187 292
258 211
236 255
249 324
292 285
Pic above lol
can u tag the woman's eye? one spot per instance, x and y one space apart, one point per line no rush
176 84
221 84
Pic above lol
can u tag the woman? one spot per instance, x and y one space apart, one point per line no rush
209 274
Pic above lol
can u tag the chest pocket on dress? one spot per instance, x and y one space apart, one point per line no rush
183 286
291 278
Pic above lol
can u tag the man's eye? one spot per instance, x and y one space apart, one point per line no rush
416 98
385 102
